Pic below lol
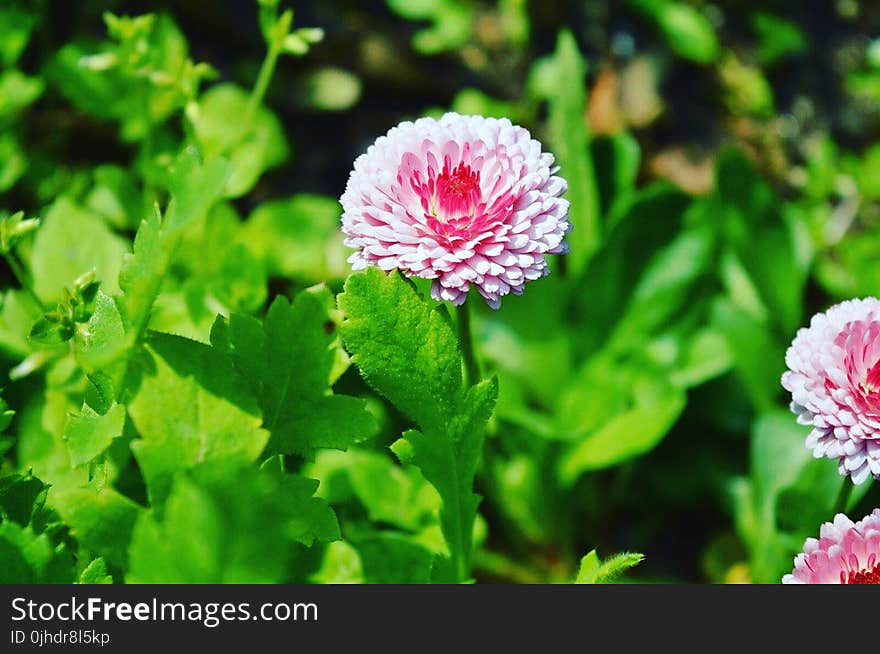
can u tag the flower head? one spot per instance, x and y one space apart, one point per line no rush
845 553
834 380
463 200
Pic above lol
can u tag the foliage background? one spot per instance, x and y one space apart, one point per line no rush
724 169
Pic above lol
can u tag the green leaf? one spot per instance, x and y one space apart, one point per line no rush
758 357
707 355
629 434
408 352
233 280
89 434
29 558
141 275
452 22
392 494
472 101
592 571
103 340
341 565
404 348
666 285
560 80
651 223
71 242
101 519
250 148
589 568
20 496
688 33
616 162
779 38
390 558
778 452
17 27
50 330
18 313
96 573
189 410
13 161
17 91
116 197
100 93
298 237
195 185
287 362
246 522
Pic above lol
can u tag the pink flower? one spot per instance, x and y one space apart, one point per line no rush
834 379
463 200
845 553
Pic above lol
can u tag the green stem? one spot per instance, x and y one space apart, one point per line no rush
843 497
262 83
23 280
471 367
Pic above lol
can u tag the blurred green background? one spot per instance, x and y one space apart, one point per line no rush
724 168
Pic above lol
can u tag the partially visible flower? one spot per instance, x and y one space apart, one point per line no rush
463 200
845 553
834 380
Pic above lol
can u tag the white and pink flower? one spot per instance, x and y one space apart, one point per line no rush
463 200
845 553
834 380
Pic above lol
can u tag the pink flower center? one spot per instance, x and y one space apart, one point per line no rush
860 341
457 192
869 576
453 203
872 379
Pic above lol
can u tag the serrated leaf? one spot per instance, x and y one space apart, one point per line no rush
594 571
408 352
89 434
404 348
287 361
141 274
100 519
246 521
102 341
20 496
29 558
187 415
95 573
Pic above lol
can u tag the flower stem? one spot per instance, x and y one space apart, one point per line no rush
23 280
471 367
843 496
